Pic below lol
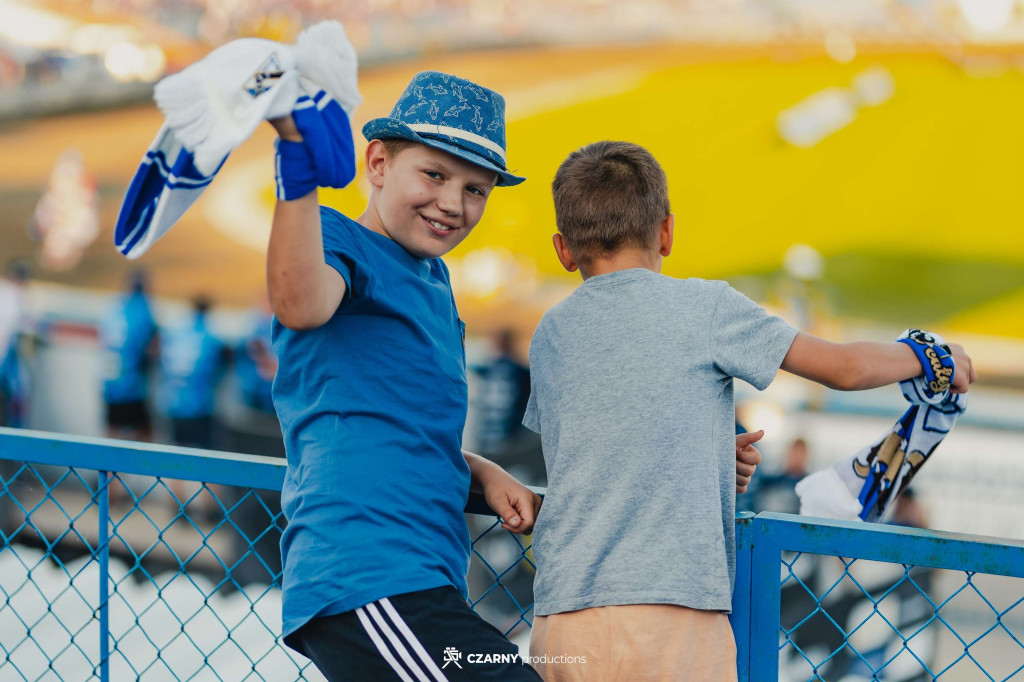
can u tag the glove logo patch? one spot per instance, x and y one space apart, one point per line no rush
265 77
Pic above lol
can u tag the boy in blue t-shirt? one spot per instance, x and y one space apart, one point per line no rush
371 394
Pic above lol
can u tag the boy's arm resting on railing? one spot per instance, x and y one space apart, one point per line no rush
516 504
304 290
861 365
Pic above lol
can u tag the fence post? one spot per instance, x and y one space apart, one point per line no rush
103 549
765 600
740 616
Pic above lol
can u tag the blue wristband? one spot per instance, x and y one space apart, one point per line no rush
294 170
936 361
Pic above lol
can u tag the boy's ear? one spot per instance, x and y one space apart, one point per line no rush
667 234
564 255
376 162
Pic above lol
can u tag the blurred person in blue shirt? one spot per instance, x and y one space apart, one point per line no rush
502 388
192 362
255 430
255 362
14 328
129 337
776 492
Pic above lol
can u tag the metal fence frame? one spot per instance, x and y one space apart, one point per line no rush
761 538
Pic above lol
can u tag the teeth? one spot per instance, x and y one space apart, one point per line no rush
438 225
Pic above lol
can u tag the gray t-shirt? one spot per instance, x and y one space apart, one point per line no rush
632 395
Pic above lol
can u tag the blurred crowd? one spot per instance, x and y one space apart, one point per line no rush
179 383
96 52
188 362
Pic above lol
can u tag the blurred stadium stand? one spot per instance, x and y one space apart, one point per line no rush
78 54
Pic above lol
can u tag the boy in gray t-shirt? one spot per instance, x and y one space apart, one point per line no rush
632 393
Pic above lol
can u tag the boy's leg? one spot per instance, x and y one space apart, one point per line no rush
634 643
428 636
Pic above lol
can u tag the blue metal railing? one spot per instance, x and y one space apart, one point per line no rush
901 584
144 584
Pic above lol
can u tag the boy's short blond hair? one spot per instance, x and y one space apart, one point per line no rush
394 146
609 196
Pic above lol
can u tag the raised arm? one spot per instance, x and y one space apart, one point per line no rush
304 290
864 364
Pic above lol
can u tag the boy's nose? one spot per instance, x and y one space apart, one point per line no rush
449 200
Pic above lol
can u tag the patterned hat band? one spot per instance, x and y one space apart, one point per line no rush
458 133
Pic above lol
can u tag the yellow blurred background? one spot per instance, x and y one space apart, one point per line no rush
846 163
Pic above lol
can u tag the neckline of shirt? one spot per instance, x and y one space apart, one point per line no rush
618 276
422 265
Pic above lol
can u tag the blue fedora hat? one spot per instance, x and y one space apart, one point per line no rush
451 114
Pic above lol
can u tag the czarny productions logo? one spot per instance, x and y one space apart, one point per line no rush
453 655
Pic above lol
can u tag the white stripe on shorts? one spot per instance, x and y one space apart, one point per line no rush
396 642
411 638
381 646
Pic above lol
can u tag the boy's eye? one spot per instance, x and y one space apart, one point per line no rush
473 189
434 175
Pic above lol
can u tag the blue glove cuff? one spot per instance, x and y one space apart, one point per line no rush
935 359
294 170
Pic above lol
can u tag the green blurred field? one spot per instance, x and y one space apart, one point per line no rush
915 205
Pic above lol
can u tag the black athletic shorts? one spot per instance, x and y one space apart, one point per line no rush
133 415
427 636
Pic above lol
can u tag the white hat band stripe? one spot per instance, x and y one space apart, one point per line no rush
460 134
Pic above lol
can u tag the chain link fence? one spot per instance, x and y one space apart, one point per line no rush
170 570
871 602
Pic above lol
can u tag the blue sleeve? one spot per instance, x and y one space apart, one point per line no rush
746 342
339 250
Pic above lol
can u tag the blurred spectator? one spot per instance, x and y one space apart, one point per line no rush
908 511
255 362
129 337
777 492
67 218
502 390
12 70
256 514
13 328
192 362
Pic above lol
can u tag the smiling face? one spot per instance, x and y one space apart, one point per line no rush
424 199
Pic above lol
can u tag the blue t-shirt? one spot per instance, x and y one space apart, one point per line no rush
372 405
126 332
191 364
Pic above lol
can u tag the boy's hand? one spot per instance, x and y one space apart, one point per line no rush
516 504
286 128
964 375
747 458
